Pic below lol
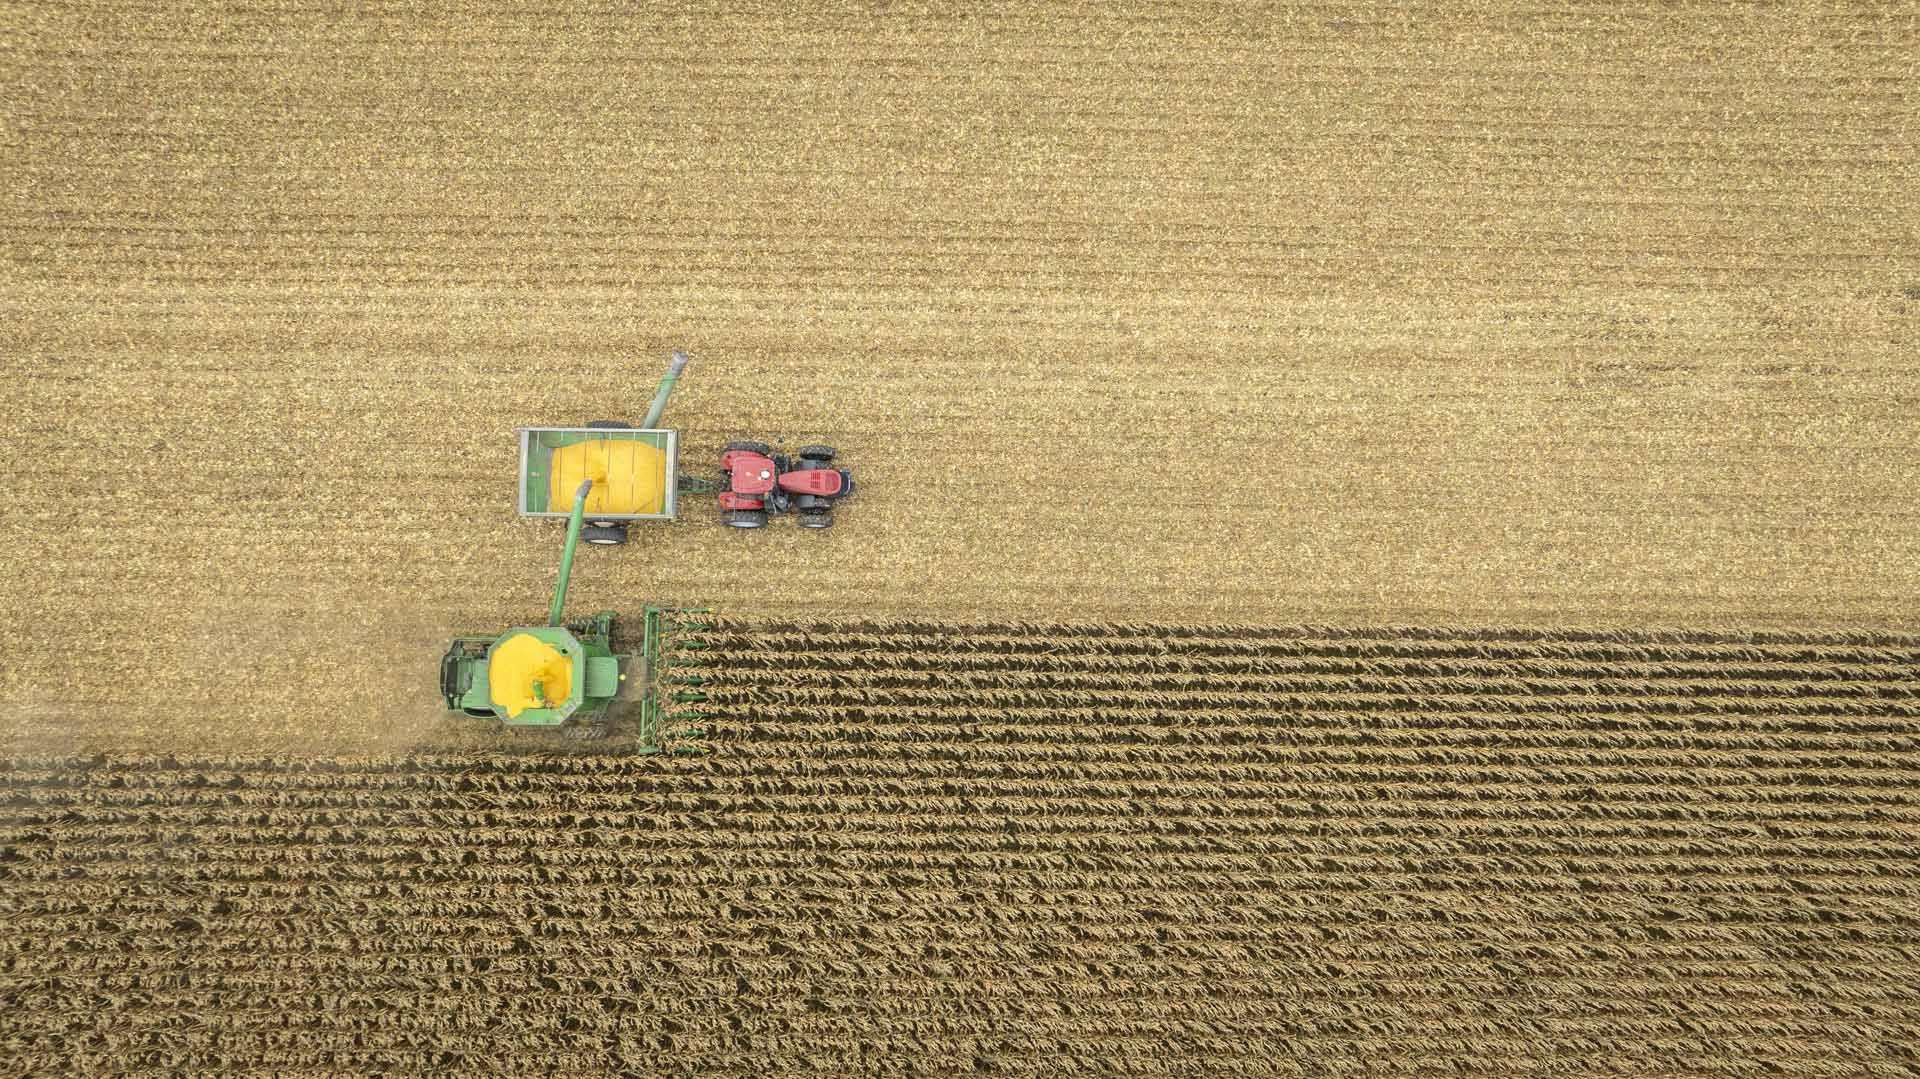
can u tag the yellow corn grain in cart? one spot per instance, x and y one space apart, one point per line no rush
628 476
527 672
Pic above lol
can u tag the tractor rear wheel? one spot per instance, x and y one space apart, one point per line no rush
823 454
743 518
815 519
609 425
760 448
607 535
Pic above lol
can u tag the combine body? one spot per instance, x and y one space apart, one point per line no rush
760 482
568 676
594 673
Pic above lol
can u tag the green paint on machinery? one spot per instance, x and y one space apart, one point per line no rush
602 674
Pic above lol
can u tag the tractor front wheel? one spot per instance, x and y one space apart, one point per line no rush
743 518
607 535
823 454
815 519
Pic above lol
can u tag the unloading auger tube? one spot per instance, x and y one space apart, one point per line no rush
659 406
574 521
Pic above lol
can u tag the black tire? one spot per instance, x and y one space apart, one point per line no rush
609 425
823 454
604 535
743 518
815 519
760 448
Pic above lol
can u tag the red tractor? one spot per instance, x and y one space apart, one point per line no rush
761 482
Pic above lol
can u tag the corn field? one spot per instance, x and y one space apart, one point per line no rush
1386 541
1028 849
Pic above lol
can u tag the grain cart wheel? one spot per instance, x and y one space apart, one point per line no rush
609 425
760 448
743 518
815 519
604 535
822 454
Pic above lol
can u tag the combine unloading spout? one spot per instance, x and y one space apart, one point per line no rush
566 552
674 367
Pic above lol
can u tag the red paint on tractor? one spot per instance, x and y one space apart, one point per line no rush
825 482
731 501
751 473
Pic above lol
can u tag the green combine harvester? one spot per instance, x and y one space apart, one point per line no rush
567 677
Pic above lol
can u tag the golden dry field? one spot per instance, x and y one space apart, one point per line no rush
1573 342
1591 315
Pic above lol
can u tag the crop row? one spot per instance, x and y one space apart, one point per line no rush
1048 846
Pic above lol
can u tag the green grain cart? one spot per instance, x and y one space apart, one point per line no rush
637 469
567 677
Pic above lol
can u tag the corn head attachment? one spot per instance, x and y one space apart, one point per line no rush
671 711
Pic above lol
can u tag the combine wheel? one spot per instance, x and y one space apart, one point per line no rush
604 535
743 518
